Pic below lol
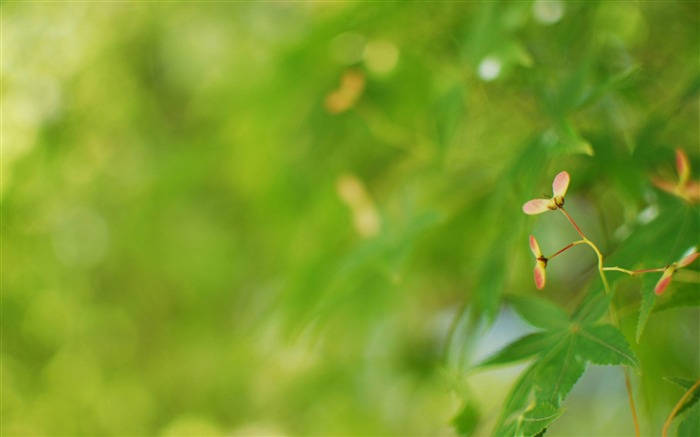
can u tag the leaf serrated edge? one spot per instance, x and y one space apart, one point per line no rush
632 358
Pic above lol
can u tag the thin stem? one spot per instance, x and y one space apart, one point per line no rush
613 313
616 321
600 256
633 409
678 406
618 269
601 269
633 272
565 249
561 208
660 269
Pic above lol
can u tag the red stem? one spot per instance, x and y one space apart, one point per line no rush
561 250
572 222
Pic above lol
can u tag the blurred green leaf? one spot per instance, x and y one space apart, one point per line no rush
516 403
467 420
537 420
689 425
686 384
648 300
683 295
525 347
539 312
450 110
594 305
610 84
566 140
490 280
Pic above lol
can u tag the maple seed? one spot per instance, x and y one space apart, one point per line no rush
559 187
670 270
685 188
683 166
540 265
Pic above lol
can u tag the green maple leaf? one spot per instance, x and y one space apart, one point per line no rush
562 353
539 312
648 300
535 421
605 344
525 347
558 373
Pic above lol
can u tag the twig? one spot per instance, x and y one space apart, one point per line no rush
678 406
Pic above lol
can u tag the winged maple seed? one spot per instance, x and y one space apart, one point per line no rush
670 270
541 263
559 187
684 188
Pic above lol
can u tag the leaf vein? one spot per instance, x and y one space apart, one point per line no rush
607 345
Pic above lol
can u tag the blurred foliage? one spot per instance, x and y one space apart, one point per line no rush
300 218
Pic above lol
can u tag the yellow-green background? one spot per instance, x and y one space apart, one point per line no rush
177 258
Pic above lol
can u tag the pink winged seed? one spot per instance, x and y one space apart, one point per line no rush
669 187
536 206
687 260
664 281
668 273
692 190
534 247
560 184
539 276
683 166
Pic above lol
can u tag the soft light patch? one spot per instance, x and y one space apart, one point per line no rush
548 12
365 216
490 68
381 56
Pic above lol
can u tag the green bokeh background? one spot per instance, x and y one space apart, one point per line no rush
177 254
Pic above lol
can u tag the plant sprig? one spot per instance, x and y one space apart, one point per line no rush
684 188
